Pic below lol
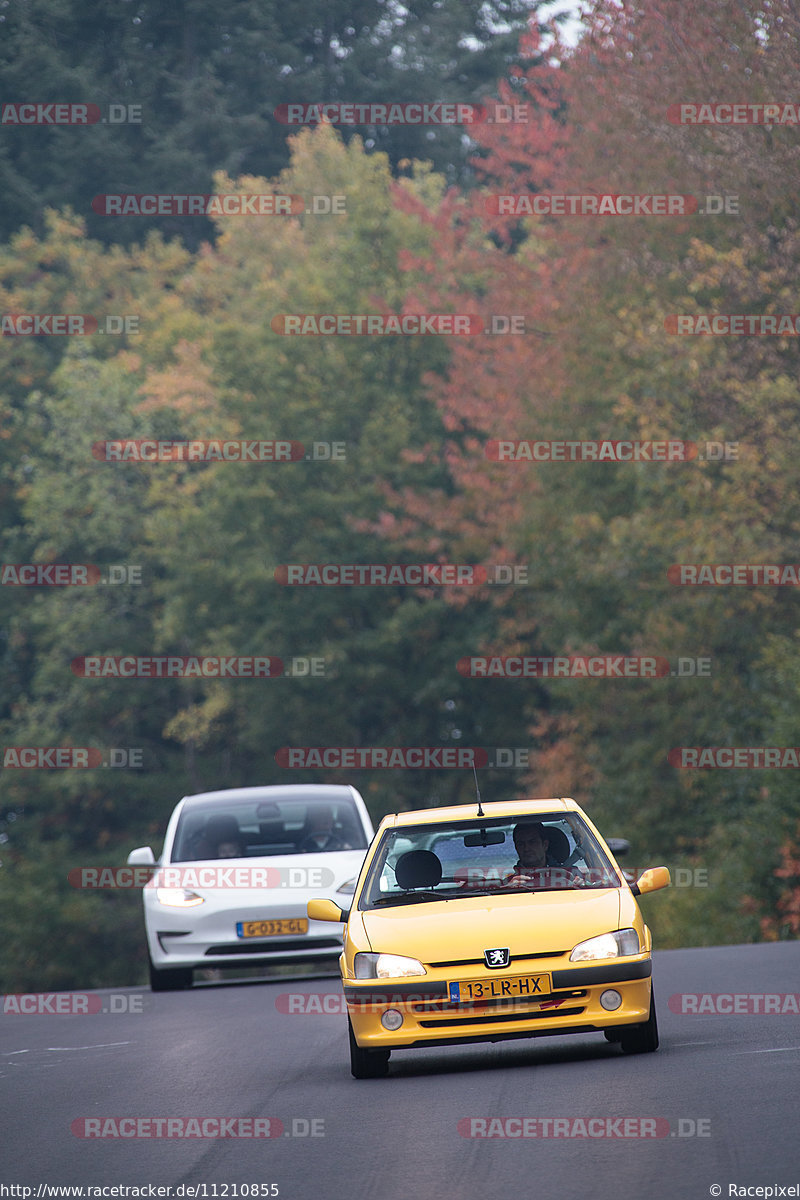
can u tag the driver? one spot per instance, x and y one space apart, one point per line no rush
319 832
534 865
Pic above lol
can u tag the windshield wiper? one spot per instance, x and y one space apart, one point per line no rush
535 887
409 898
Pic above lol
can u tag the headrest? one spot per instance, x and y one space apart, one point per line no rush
418 869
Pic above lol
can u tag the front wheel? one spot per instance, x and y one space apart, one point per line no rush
172 980
642 1039
366 1064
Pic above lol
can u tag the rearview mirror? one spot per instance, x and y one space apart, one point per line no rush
267 809
486 837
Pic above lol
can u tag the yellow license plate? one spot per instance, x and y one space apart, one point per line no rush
518 987
259 929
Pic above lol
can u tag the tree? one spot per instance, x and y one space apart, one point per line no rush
210 537
205 82
602 363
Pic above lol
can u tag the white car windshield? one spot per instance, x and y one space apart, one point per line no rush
450 861
215 829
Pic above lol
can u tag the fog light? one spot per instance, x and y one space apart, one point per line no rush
611 1000
392 1019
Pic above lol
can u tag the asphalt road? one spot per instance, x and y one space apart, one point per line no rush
231 1051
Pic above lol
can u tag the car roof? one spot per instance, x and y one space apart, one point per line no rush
469 812
276 792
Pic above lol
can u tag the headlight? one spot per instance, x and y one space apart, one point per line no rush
178 897
607 945
347 888
386 966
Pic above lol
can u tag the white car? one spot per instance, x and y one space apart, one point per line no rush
237 870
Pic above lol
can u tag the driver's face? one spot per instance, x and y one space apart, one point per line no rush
531 847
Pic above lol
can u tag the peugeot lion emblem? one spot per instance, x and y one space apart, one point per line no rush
497 958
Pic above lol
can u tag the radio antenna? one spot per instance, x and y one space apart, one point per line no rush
477 789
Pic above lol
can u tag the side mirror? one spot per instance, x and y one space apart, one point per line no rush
651 881
326 910
142 856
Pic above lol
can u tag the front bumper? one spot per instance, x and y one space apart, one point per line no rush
430 1018
218 946
231 955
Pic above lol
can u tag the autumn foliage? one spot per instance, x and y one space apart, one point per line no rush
579 345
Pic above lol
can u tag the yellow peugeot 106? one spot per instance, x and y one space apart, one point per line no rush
485 923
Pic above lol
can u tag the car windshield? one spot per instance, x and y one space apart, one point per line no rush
261 828
549 852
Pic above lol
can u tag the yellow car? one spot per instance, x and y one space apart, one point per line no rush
485 923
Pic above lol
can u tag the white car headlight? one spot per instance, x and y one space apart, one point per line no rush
386 966
607 945
347 888
178 897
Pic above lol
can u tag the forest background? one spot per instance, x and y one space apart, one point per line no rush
197 547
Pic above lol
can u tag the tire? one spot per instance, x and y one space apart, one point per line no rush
642 1039
173 980
366 1064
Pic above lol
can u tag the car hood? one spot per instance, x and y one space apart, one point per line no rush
531 923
